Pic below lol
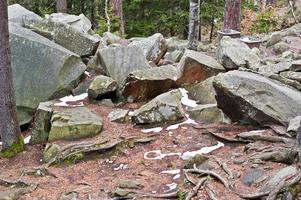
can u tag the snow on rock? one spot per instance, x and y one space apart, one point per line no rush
154 130
72 98
185 99
27 139
177 176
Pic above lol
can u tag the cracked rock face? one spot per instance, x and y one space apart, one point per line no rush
233 54
245 96
163 109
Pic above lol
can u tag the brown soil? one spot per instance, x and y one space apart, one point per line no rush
95 178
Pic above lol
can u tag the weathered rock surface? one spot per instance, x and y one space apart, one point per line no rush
208 113
16 14
280 47
41 123
102 86
275 180
203 92
274 38
79 22
257 99
41 70
119 115
110 38
174 56
148 83
65 35
119 62
292 75
195 67
252 176
275 68
154 47
175 43
74 123
294 125
163 109
296 66
233 54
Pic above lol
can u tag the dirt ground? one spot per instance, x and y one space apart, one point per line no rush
96 177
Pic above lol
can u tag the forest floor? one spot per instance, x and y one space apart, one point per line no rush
96 177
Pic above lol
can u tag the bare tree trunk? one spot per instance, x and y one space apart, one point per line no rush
212 27
232 16
194 24
82 6
61 6
9 126
107 15
118 12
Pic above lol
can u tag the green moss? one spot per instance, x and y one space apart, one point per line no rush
14 149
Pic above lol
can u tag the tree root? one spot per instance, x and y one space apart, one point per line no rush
195 189
38 172
14 184
256 135
225 167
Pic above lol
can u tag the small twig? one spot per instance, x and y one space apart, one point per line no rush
188 178
195 189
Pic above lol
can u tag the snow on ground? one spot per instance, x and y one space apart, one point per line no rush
27 139
185 99
152 130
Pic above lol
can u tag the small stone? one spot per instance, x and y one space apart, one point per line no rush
196 160
130 184
252 176
119 115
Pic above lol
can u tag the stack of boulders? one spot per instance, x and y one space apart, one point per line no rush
50 57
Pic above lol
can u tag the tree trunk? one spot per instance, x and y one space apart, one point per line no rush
212 27
9 126
61 6
82 6
232 15
194 24
108 15
118 12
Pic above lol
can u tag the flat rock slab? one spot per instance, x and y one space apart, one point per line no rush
245 96
118 115
233 54
146 84
163 109
154 47
41 70
296 76
275 68
65 35
74 124
119 62
196 67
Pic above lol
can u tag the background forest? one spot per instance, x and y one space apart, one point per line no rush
169 17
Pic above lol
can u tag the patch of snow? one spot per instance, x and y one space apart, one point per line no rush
87 73
173 171
177 176
185 99
0 143
158 155
170 133
72 98
131 113
171 186
154 130
205 150
176 126
27 139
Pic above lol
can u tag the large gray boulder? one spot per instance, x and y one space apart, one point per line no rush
154 47
17 13
175 43
165 108
233 54
41 70
275 68
245 96
119 62
74 123
65 35
148 83
195 67
79 22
